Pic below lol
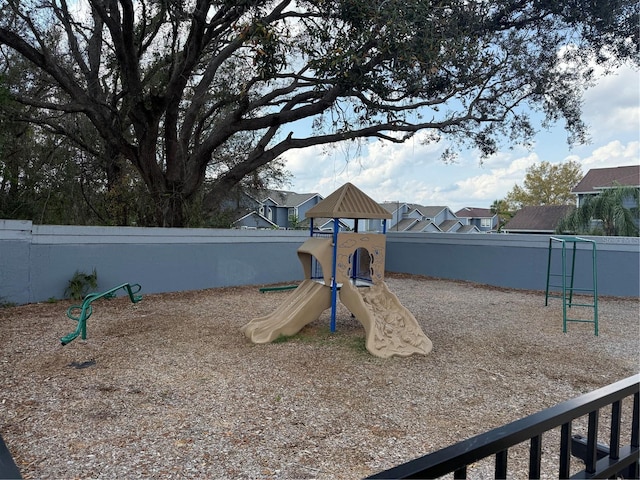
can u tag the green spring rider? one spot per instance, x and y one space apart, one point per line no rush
86 309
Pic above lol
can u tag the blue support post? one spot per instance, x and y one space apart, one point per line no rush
334 283
355 262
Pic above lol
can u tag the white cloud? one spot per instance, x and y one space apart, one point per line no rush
612 107
613 154
414 172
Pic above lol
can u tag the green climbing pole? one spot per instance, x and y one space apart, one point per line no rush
565 288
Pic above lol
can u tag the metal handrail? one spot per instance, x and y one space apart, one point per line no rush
455 458
86 309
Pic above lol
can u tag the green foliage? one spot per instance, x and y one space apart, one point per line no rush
606 214
80 284
324 336
546 184
283 338
502 209
6 304
295 223
189 93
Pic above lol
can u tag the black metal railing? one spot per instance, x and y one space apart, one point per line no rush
8 468
599 461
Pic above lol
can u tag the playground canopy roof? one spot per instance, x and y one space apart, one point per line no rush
348 202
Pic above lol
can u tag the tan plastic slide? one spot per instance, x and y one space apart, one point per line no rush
390 329
304 305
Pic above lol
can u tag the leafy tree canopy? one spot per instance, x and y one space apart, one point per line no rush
504 212
546 184
167 84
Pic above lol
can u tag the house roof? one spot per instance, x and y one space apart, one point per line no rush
322 223
542 218
447 225
348 202
424 210
429 211
468 229
420 225
474 212
392 206
261 218
285 198
599 178
404 224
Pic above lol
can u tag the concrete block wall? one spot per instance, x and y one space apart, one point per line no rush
37 261
516 261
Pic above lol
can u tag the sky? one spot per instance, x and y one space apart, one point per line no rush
414 173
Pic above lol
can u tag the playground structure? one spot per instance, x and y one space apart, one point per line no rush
86 309
566 288
348 266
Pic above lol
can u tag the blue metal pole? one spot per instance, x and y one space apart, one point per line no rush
355 262
334 284
595 287
564 287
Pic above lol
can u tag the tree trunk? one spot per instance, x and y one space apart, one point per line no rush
117 206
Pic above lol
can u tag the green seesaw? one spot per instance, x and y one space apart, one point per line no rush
86 309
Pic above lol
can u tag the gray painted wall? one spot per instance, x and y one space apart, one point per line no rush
515 261
37 261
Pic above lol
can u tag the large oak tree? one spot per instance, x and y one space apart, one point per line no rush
168 83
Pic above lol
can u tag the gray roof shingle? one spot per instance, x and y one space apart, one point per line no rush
542 218
598 178
474 212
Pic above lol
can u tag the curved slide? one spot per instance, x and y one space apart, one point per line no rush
390 328
304 305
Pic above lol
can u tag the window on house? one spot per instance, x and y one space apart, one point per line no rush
485 222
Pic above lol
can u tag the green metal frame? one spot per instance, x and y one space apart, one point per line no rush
567 290
86 309
277 289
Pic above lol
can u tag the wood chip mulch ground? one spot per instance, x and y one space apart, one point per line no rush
170 388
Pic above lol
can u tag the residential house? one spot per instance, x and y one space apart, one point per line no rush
278 209
537 219
483 218
598 179
284 209
411 217
253 220
326 224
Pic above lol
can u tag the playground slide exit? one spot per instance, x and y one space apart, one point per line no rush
390 328
304 305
